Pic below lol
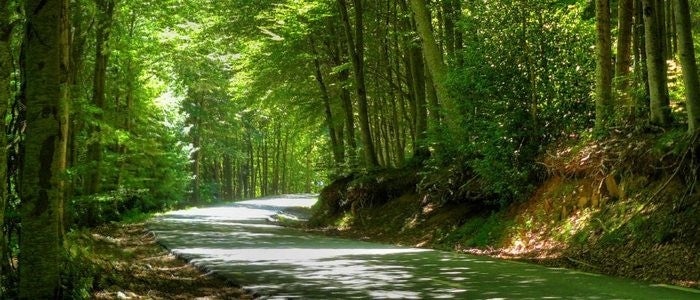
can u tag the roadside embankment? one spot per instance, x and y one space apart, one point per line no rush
625 206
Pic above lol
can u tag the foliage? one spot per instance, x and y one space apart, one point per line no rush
479 231
511 103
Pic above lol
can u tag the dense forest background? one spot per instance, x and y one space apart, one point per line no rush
114 108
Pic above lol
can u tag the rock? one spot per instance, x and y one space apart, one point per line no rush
122 296
612 187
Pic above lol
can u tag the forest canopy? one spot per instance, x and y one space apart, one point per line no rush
113 108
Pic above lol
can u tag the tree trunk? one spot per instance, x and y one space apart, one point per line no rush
102 34
335 144
265 153
624 57
686 52
432 53
656 70
277 154
356 51
345 99
420 150
603 106
228 177
5 94
42 183
641 103
196 135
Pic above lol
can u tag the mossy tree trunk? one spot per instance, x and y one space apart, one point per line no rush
5 94
42 176
432 53
603 104
686 52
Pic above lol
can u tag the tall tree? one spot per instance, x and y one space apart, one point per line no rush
660 112
624 54
42 179
431 51
686 52
356 47
102 34
603 105
336 147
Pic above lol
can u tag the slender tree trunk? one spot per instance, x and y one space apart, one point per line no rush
265 153
624 56
641 103
335 144
251 166
603 106
196 135
658 92
42 183
345 99
421 112
673 29
102 35
356 49
77 54
448 15
276 164
228 177
432 53
285 164
688 63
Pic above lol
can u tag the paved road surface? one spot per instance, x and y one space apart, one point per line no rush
238 241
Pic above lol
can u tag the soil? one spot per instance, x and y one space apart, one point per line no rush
626 206
132 265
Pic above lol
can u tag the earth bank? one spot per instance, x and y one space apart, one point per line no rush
626 206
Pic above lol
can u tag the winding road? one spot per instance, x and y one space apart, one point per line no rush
238 241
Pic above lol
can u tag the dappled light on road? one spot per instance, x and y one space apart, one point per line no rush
239 242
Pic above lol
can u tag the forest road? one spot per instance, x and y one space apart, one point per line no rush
238 241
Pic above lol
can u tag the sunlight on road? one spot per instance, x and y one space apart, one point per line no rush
240 242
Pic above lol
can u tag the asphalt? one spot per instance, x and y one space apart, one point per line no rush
239 241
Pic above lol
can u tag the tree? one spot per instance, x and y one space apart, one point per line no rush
687 57
603 106
660 112
356 50
42 179
6 27
431 51
102 35
624 56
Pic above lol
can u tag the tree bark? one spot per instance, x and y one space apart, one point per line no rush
102 34
228 178
603 106
641 103
624 56
338 154
686 52
345 99
5 94
356 50
432 53
42 183
656 70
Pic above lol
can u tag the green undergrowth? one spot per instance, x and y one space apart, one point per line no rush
625 205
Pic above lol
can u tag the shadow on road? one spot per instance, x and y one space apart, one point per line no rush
237 241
